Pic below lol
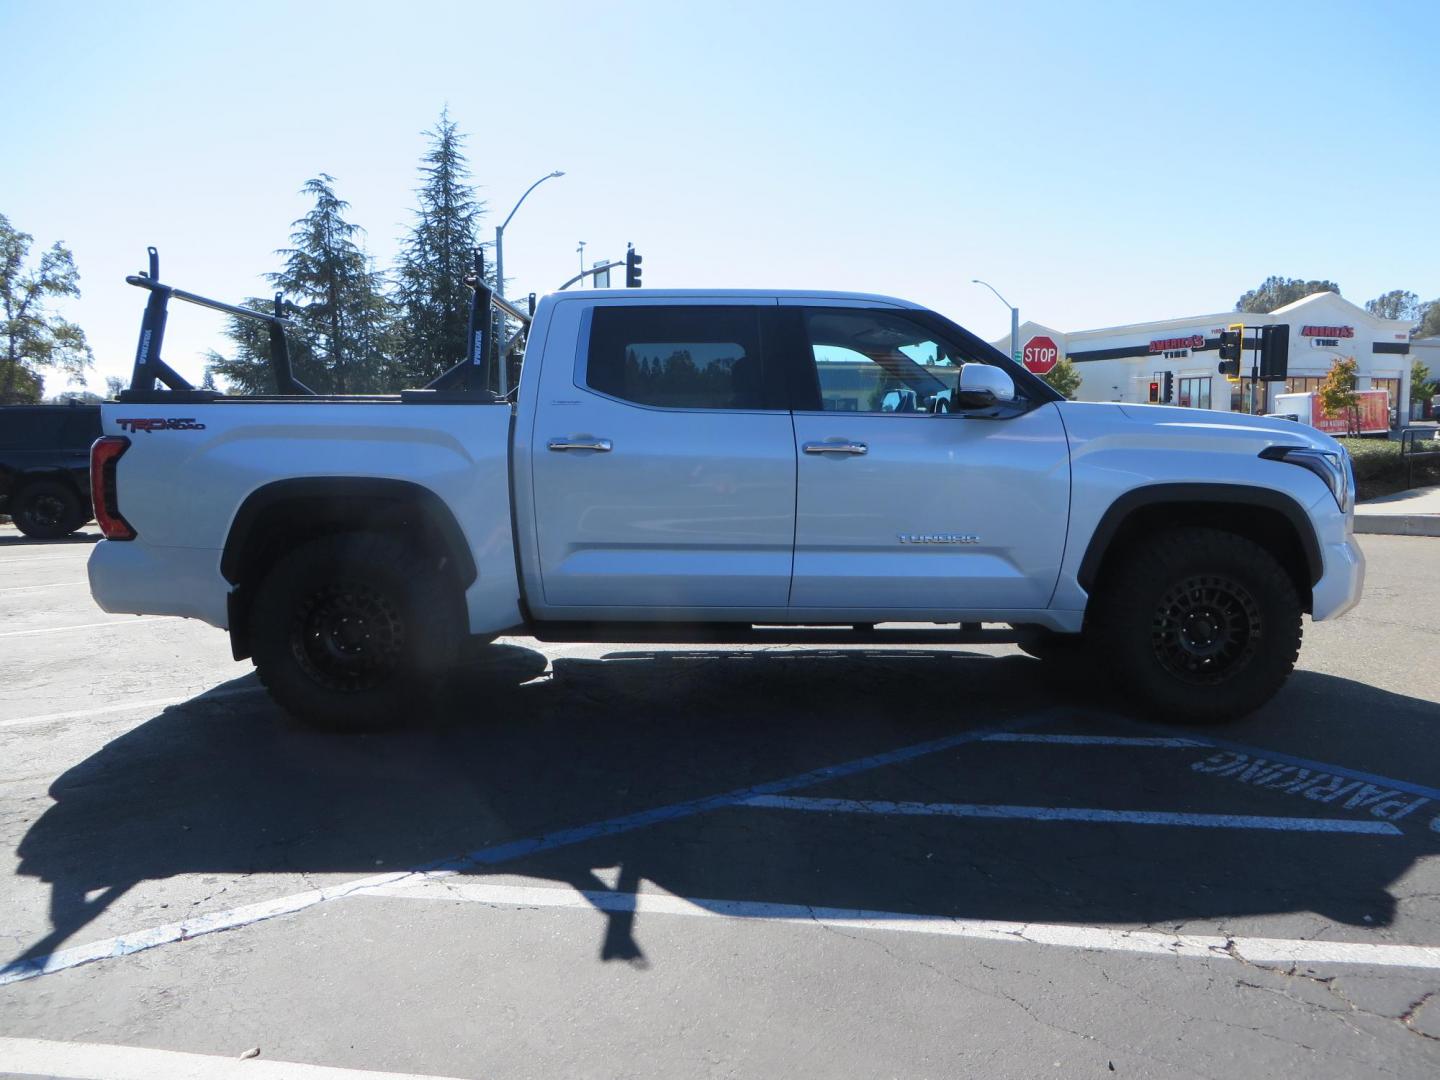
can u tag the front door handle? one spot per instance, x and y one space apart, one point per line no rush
581 443
835 448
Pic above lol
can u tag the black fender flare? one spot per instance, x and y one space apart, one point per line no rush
1139 498
342 499
360 489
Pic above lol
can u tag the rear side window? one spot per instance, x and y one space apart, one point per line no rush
677 357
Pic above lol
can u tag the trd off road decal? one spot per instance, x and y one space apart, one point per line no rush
158 423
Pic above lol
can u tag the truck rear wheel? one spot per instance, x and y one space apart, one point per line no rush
352 632
1201 625
48 510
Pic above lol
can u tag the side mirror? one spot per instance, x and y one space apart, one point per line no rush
982 386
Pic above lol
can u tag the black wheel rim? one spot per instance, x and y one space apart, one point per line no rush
46 511
1205 629
348 637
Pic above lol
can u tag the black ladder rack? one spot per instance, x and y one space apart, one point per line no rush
469 380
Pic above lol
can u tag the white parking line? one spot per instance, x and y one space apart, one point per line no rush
1071 813
1102 938
32 560
1095 740
33 588
129 706
84 626
98 1061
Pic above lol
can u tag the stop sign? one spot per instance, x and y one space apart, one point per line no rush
1040 355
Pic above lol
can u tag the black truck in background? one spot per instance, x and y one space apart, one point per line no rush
45 467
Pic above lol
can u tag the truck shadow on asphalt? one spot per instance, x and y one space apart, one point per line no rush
222 784
14 538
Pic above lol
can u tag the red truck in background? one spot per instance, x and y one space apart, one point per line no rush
1371 417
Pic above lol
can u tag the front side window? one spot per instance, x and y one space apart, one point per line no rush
871 361
677 357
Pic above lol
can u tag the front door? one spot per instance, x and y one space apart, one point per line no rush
664 472
904 506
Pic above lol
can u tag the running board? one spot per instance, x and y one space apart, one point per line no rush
771 634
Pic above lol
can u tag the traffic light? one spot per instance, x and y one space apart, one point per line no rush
1232 344
632 267
1275 352
1167 395
1154 393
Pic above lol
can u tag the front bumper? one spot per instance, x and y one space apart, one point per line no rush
1342 577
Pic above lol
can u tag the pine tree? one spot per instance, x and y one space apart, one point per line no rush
433 300
341 317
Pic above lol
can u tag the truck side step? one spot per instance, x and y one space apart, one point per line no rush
773 634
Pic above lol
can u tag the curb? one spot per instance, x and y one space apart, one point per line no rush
1398 524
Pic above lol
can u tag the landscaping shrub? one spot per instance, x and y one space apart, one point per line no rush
1379 469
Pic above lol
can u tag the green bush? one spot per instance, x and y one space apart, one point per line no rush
1380 470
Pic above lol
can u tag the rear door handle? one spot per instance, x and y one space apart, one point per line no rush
580 443
835 448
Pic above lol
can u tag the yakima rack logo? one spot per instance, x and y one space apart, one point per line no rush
161 423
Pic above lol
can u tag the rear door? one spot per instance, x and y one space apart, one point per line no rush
663 465
904 506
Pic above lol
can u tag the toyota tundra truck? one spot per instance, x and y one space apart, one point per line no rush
717 466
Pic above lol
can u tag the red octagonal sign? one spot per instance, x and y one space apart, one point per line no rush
1040 355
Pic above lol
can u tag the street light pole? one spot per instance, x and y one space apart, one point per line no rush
500 234
498 324
1014 319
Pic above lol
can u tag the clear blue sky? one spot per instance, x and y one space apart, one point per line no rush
1099 163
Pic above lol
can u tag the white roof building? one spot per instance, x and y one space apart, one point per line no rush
1118 363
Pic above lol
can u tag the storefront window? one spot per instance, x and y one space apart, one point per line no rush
1303 384
1194 393
1240 397
1391 387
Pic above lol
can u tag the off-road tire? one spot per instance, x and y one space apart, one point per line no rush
48 510
1197 625
355 632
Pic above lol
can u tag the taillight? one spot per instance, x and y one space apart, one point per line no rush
104 454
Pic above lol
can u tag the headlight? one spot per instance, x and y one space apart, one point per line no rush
1332 467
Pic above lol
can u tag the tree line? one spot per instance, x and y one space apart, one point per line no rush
354 328
1399 304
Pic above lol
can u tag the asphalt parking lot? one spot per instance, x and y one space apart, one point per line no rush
611 861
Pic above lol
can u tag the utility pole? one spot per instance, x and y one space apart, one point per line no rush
1014 319
498 322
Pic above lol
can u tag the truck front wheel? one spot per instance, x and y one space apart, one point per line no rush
351 632
1200 624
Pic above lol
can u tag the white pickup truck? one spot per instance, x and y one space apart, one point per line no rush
717 466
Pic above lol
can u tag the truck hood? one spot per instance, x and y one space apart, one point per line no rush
1189 425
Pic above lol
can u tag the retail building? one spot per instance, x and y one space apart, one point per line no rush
1119 363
